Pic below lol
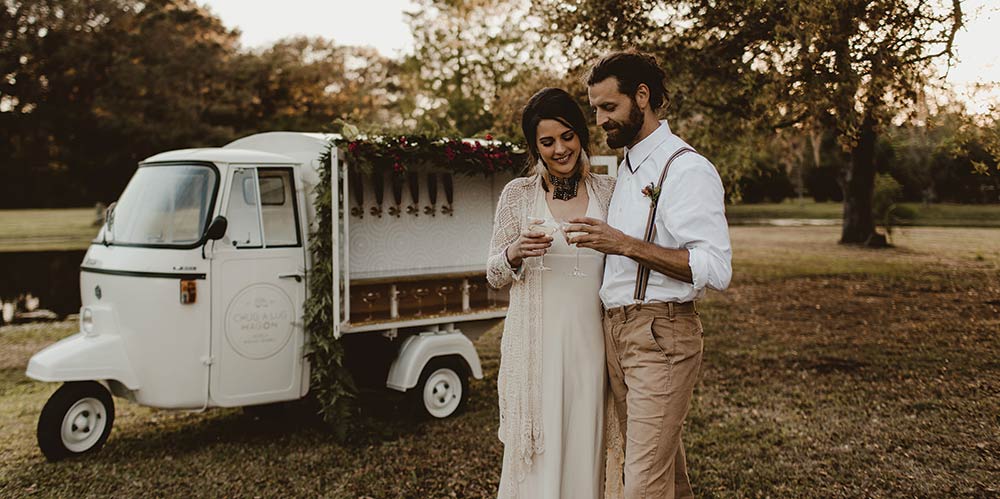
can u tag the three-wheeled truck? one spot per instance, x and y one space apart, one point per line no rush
193 291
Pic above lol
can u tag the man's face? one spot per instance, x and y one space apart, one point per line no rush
617 113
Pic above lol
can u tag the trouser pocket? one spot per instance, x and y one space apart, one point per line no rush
678 339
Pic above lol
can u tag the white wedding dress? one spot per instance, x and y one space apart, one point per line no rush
573 374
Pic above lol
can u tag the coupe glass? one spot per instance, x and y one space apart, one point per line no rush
564 227
546 226
419 294
443 291
370 298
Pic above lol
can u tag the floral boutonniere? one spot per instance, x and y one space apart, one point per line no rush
652 192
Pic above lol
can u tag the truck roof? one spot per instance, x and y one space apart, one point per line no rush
221 155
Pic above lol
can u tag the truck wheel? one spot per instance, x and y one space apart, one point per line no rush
76 420
442 389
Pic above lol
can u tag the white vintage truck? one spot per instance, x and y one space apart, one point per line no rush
193 291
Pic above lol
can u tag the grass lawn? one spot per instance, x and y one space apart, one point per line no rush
947 215
829 372
41 230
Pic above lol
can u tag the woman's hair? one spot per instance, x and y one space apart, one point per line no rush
632 68
554 104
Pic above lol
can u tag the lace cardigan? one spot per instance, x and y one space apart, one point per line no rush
519 379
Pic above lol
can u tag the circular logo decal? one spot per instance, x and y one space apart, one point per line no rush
259 321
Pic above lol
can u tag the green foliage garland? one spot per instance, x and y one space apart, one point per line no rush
330 382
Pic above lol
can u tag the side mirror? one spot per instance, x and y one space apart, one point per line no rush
109 214
217 229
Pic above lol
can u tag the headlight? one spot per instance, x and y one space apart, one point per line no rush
87 321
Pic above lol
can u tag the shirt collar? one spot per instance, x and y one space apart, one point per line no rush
637 154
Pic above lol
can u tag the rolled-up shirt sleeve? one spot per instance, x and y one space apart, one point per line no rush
692 204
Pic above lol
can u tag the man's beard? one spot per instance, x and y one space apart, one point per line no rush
623 134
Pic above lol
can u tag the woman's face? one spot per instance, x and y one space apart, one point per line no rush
558 146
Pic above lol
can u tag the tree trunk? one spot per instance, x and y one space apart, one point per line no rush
859 190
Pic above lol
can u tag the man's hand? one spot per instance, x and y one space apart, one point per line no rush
596 234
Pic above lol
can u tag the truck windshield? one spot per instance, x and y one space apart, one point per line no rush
163 206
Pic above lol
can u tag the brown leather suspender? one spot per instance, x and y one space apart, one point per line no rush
642 276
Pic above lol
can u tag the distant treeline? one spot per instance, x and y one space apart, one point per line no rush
91 87
932 162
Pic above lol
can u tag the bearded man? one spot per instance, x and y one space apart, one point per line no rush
666 240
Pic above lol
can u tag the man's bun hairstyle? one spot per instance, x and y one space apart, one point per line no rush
631 68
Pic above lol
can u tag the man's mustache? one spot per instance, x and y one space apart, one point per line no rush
609 126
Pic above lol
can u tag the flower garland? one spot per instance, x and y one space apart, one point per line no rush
418 152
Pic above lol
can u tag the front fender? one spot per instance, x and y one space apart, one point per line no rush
81 358
418 350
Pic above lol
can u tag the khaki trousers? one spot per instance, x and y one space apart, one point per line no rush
654 355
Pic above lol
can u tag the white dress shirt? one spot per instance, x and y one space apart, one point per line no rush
690 214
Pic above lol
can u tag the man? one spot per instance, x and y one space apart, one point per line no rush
653 335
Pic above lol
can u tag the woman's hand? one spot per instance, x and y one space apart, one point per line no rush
528 244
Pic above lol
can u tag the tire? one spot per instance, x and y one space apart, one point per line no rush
442 390
76 420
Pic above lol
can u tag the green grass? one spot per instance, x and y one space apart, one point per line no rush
788 209
40 230
943 214
829 372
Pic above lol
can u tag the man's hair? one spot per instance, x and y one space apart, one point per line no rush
632 68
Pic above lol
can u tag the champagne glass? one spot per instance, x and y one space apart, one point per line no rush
564 227
471 287
370 298
443 291
546 226
419 294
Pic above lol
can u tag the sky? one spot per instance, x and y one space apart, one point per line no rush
382 24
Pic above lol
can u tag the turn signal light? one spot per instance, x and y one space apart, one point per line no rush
189 291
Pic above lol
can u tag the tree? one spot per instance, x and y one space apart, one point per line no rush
304 83
93 86
469 56
847 64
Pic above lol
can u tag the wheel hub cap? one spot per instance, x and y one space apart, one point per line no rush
83 424
442 393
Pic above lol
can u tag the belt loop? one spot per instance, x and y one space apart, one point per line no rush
670 311
624 314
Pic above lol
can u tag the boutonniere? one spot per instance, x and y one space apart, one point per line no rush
652 192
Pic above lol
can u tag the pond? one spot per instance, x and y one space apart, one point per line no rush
51 276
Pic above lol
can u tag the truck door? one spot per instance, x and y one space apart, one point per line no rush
258 290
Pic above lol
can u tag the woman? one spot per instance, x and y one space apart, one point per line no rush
552 376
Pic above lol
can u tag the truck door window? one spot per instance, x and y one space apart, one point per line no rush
243 213
278 210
